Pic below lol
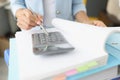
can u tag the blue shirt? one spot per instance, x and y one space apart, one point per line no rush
65 9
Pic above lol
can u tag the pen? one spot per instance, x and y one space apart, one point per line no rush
45 31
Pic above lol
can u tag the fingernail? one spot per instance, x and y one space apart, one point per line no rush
38 22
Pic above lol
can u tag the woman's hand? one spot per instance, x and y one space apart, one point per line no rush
82 17
26 19
98 23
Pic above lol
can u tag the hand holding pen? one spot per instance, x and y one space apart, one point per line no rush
26 20
41 23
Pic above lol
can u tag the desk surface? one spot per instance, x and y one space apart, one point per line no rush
13 65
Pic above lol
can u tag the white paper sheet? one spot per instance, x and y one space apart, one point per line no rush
88 40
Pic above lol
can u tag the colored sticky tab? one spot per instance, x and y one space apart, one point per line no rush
92 64
60 77
82 68
71 72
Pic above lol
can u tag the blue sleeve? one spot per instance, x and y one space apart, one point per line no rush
78 6
17 4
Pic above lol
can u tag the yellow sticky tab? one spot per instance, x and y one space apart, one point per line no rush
92 64
82 68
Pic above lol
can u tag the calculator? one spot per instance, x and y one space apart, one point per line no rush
54 43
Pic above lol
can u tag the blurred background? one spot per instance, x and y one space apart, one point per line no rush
106 10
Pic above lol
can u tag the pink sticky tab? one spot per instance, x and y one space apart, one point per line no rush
71 72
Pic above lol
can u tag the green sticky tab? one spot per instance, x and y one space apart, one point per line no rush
82 68
92 64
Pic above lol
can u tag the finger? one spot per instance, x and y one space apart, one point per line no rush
95 23
31 18
39 19
34 19
99 23
23 25
28 21
29 14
